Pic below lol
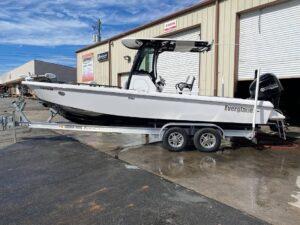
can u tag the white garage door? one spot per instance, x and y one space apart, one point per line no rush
270 39
174 67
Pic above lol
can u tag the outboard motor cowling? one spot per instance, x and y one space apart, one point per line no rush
270 89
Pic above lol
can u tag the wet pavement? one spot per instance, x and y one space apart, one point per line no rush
57 180
263 181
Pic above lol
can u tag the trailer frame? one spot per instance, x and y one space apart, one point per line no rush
19 119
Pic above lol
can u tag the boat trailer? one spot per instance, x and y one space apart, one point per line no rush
206 136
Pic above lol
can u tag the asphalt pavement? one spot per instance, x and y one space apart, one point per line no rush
52 179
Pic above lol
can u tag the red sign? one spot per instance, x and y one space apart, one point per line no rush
171 25
88 67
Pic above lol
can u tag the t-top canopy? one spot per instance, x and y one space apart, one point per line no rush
165 44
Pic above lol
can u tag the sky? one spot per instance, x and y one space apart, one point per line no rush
52 30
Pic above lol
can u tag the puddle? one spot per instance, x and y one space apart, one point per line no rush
131 167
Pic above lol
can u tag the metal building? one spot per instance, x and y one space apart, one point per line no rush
247 34
13 78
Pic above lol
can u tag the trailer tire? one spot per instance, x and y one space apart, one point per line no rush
207 140
175 139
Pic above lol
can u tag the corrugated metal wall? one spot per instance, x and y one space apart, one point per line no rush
228 11
101 69
14 75
205 17
63 73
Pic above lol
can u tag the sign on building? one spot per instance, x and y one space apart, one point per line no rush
102 57
170 26
87 67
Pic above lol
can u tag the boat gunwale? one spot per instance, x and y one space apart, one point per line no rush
165 96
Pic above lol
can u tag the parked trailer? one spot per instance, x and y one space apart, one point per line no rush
206 137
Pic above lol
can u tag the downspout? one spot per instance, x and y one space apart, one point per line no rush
216 58
109 63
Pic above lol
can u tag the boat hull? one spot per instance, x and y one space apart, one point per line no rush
88 118
114 102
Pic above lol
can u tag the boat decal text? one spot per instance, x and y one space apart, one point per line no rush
238 109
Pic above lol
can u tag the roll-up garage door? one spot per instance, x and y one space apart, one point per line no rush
174 67
270 39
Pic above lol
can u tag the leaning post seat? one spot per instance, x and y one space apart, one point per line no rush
188 84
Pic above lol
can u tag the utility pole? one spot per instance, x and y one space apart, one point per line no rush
97 31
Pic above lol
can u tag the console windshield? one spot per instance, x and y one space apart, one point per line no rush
145 62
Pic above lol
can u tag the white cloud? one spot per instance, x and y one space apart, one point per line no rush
59 59
65 22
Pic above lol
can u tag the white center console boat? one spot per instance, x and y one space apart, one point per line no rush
144 104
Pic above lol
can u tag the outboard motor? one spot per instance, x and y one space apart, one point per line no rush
270 89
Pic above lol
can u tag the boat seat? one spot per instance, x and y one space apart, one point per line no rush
188 84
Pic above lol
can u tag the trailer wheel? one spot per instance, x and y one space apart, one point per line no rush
175 139
207 140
